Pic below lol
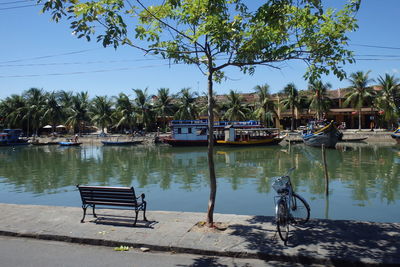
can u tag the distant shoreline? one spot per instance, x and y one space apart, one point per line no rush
92 139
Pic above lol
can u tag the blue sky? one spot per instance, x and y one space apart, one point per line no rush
37 52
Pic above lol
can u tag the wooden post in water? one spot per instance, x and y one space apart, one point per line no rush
325 171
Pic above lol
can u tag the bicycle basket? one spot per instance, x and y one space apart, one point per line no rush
280 183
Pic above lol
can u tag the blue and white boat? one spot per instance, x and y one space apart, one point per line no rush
328 135
195 132
69 143
12 137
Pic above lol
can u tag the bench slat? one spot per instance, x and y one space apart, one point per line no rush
107 189
112 200
109 194
125 204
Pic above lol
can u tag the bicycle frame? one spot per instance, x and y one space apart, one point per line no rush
286 196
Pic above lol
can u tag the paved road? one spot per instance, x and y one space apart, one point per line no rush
16 252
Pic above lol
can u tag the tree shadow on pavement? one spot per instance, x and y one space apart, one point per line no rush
328 241
205 261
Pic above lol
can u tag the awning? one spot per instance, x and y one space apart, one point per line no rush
47 127
60 126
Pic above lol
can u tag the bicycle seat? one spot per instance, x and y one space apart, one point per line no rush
283 191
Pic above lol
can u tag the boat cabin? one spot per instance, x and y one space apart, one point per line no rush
246 134
189 129
10 135
198 129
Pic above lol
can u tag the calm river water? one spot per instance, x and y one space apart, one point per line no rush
364 179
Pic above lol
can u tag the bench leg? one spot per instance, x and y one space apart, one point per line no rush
137 213
144 211
94 213
84 213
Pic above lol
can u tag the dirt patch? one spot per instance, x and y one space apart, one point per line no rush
217 227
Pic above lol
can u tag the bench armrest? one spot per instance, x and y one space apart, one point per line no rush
141 196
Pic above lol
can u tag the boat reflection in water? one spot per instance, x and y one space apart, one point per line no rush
364 180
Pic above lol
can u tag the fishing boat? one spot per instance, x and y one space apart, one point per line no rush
396 135
37 143
257 136
327 135
69 143
11 137
121 143
195 132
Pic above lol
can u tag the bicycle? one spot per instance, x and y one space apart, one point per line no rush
290 207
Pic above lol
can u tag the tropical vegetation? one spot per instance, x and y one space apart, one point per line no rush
36 108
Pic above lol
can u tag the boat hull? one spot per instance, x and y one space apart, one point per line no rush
69 144
328 139
45 143
175 142
14 144
327 136
122 143
396 137
261 142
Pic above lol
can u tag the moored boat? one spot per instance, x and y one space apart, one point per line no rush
327 135
195 132
121 143
11 137
250 136
69 143
44 143
396 135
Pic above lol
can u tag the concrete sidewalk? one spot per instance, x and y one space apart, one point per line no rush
326 242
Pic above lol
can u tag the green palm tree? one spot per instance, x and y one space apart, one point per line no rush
12 111
265 108
291 101
203 105
143 107
101 112
359 92
386 98
187 106
124 112
319 100
78 111
235 108
65 100
53 111
163 106
34 110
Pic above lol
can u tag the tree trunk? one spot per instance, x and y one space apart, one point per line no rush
359 119
211 168
292 122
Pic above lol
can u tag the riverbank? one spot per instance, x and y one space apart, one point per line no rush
150 138
328 242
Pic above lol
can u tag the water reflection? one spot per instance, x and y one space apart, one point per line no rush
360 175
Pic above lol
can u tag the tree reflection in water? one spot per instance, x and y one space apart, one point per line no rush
363 175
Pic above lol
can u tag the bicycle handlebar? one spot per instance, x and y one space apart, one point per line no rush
289 171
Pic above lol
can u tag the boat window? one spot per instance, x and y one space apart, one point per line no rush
190 130
179 130
201 131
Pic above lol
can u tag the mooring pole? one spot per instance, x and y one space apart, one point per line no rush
325 171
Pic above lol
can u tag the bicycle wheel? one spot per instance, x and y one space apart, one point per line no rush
282 220
299 209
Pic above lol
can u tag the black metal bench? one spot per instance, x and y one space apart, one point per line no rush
111 196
